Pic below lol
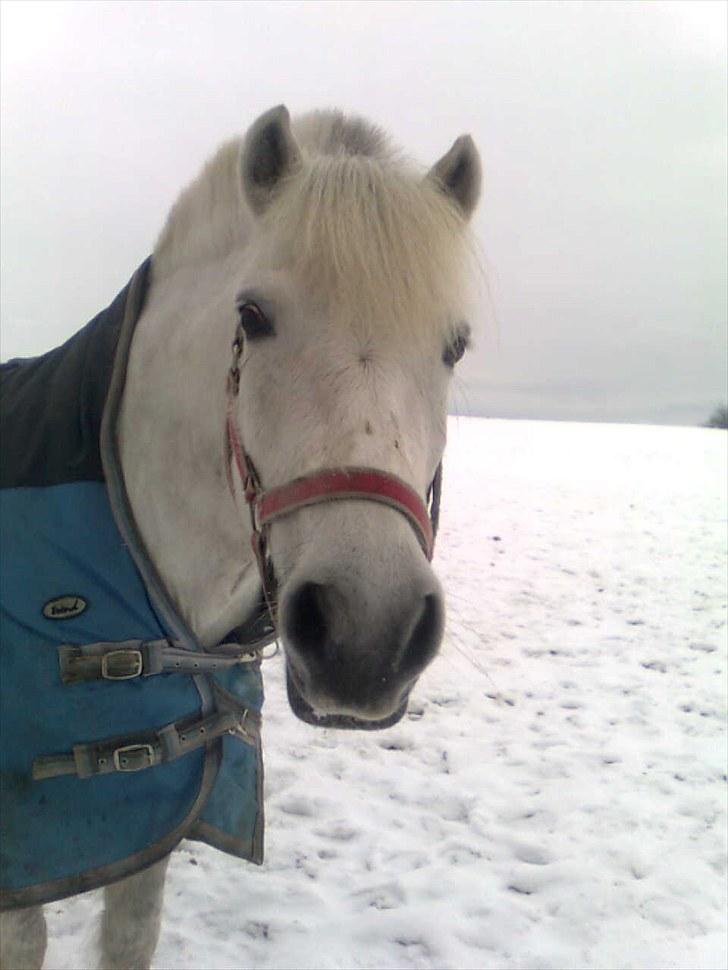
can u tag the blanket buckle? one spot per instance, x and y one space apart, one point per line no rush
134 757
122 664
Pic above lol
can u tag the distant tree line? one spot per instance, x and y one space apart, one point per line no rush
719 417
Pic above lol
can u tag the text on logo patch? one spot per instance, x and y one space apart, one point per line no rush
64 607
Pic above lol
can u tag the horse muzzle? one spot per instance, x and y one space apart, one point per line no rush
303 710
358 660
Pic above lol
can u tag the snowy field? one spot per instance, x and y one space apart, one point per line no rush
556 797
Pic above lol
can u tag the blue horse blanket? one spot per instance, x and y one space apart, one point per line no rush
119 734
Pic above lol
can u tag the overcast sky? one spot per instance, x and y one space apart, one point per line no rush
602 128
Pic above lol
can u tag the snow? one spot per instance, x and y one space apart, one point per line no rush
556 796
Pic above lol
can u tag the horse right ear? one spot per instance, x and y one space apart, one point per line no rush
458 174
270 154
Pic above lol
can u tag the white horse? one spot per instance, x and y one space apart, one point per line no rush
347 270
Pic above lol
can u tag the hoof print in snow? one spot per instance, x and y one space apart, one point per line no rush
416 949
458 855
445 700
520 890
339 832
501 699
532 855
389 896
702 647
397 744
298 806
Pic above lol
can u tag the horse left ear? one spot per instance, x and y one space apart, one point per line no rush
458 173
270 154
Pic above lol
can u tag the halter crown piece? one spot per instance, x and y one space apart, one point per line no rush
324 485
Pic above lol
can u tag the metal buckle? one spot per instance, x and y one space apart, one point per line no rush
240 730
121 665
134 757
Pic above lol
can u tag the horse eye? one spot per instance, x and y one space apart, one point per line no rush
254 322
455 350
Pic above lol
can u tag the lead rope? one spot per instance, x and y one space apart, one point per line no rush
250 483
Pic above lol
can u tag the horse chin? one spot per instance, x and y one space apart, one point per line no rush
303 710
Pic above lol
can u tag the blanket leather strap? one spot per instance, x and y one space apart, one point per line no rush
128 659
145 750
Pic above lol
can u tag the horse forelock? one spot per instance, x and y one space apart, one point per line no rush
371 240
361 230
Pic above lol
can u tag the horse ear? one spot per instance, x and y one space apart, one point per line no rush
458 174
270 154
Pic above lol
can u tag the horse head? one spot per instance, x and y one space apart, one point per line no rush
346 279
352 323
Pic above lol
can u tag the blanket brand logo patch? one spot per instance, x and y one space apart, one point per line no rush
64 607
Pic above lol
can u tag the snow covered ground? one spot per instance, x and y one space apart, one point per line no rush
556 797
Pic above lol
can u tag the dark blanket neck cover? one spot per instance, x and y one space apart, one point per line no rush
119 735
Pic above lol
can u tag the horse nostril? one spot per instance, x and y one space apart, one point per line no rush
306 624
425 637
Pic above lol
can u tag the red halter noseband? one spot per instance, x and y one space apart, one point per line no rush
325 485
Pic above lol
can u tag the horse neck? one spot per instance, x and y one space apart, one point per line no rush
209 219
171 440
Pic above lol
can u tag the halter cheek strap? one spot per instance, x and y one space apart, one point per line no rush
325 485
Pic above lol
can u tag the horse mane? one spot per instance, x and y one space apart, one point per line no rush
358 225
